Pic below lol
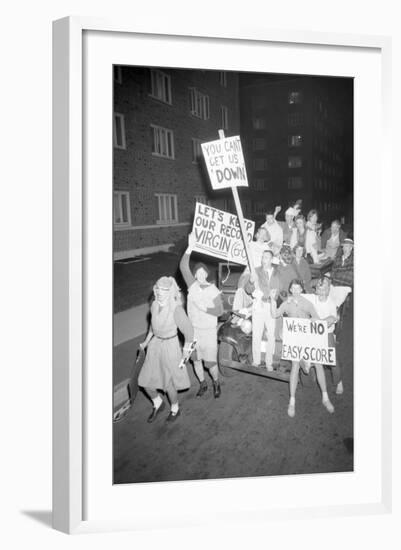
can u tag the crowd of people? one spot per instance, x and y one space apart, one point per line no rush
288 279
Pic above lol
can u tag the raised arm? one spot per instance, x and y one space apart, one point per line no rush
184 263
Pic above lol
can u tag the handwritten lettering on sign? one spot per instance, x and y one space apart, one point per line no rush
307 339
218 234
225 163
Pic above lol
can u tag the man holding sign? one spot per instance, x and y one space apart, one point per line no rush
297 308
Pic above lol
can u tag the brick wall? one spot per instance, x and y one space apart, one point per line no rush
142 174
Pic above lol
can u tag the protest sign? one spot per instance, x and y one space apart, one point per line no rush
307 339
218 234
225 163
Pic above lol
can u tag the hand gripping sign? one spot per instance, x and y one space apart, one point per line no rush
218 234
307 340
225 163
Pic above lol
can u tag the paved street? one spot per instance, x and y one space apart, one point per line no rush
244 433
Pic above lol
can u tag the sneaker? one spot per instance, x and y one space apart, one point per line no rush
329 406
216 389
202 388
340 388
291 410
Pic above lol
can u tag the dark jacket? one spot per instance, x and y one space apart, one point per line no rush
326 235
343 275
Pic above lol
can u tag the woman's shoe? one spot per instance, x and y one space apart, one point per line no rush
216 388
172 417
202 388
291 410
329 406
155 412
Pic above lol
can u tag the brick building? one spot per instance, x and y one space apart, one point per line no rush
160 118
297 138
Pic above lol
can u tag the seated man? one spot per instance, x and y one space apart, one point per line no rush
274 229
342 273
332 238
267 279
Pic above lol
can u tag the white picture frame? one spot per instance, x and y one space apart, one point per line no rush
73 258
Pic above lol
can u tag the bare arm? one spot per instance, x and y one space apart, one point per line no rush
184 324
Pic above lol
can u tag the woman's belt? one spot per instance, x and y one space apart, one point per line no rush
167 337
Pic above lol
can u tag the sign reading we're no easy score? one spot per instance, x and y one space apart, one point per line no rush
225 163
307 339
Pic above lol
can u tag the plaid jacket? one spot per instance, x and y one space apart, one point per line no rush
343 275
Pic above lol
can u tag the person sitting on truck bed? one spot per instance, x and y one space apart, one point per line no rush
342 272
267 279
204 306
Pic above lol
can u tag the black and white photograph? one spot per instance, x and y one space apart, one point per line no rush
233 274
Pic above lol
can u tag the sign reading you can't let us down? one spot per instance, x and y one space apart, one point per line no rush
225 163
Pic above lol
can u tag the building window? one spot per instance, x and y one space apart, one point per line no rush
258 144
258 102
167 208
295 119
162 142
295 141
259 207
223 78
294 162
119 131
294 97
295 183
160 86
117 74
259 123
201 198
199 104
260 164
121 208
259 184
196 150
224 117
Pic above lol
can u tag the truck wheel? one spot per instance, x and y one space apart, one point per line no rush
225 355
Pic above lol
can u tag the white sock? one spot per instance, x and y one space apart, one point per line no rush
325 397
157 401
292 401
174 408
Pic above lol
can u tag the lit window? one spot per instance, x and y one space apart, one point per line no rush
259 123
117 74
119 131
160 86
167 208
295 183
224 117
294 97
258 144
121 208
196 150
199 104
295 141
162 142
223 78
294 162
